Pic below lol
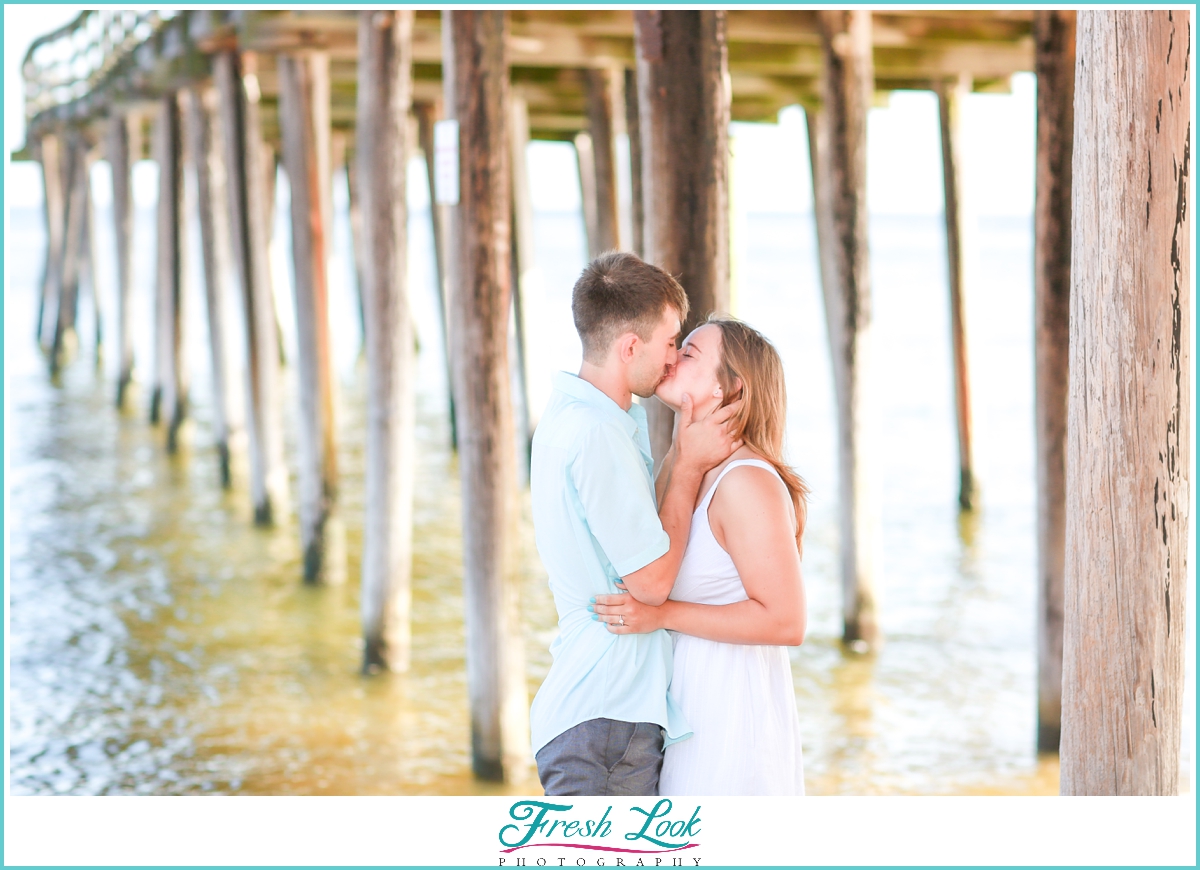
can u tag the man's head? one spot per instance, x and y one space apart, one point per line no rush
628 313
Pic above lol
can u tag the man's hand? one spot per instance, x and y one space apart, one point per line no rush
706 442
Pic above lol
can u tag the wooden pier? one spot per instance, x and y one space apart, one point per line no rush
230 92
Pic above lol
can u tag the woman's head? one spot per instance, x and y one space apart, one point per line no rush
724 360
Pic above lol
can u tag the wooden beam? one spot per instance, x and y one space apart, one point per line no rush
427 115
384 98
237 87
53 157
75 183
585 162
354 205
304 116
88 267
684 124
950 98
842 170
1055 34
204 140
173 383
1129 413
477 97
600 104
633 125
522 270
120 159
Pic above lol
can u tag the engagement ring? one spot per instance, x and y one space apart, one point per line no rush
622 622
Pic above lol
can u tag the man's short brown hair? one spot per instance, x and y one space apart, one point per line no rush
619 292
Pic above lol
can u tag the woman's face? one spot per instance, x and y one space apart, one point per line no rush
695 372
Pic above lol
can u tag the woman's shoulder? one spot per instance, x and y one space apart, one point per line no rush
748 492
749 479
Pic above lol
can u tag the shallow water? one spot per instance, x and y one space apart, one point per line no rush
160 644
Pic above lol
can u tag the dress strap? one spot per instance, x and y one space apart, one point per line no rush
761 463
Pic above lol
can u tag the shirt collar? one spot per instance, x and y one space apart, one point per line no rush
577 388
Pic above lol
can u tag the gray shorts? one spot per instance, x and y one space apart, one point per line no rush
603 757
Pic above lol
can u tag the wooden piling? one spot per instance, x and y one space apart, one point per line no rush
684 121
52 158
633 126
75 181
426 117
354 206
384 98
522 268
1129 412
683 103
120 155
120 159
950 99
88 266
475 75
204 140
585 163
304 124
170 270
599 87
237 86
1054 40
848 84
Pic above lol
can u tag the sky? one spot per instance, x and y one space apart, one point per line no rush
770 171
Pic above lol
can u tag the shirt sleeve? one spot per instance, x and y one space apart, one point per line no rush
618 502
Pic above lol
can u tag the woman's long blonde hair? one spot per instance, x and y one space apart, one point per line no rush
747 355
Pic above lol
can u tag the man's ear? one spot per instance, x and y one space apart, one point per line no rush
627 346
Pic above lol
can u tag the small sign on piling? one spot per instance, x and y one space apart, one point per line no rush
445 162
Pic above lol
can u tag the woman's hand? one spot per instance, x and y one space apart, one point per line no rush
624 614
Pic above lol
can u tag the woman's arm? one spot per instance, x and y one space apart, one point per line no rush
751 515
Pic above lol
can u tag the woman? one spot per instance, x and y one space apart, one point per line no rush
738 601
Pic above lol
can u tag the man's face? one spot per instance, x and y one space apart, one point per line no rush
654 359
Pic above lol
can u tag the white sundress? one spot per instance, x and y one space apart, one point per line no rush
738 699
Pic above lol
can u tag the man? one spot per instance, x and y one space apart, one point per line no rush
599 719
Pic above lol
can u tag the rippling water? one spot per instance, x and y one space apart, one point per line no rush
161 644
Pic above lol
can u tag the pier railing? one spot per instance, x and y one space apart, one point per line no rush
72 62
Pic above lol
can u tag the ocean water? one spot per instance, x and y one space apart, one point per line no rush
160 644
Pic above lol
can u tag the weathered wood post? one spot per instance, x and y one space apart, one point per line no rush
633 127
841 201
340 160
170 271
426 117
270 178
1129 405
683 101
600 89
951 96
304 123
475 74
120 159
88 268
203 133
354 207
384 96
237 86
522 268
75 183
53 159
1054 39
585 162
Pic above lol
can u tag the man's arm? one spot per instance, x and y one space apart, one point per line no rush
701 445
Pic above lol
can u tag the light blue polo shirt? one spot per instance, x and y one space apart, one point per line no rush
595 521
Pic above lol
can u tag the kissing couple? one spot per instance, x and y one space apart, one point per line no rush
677 597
